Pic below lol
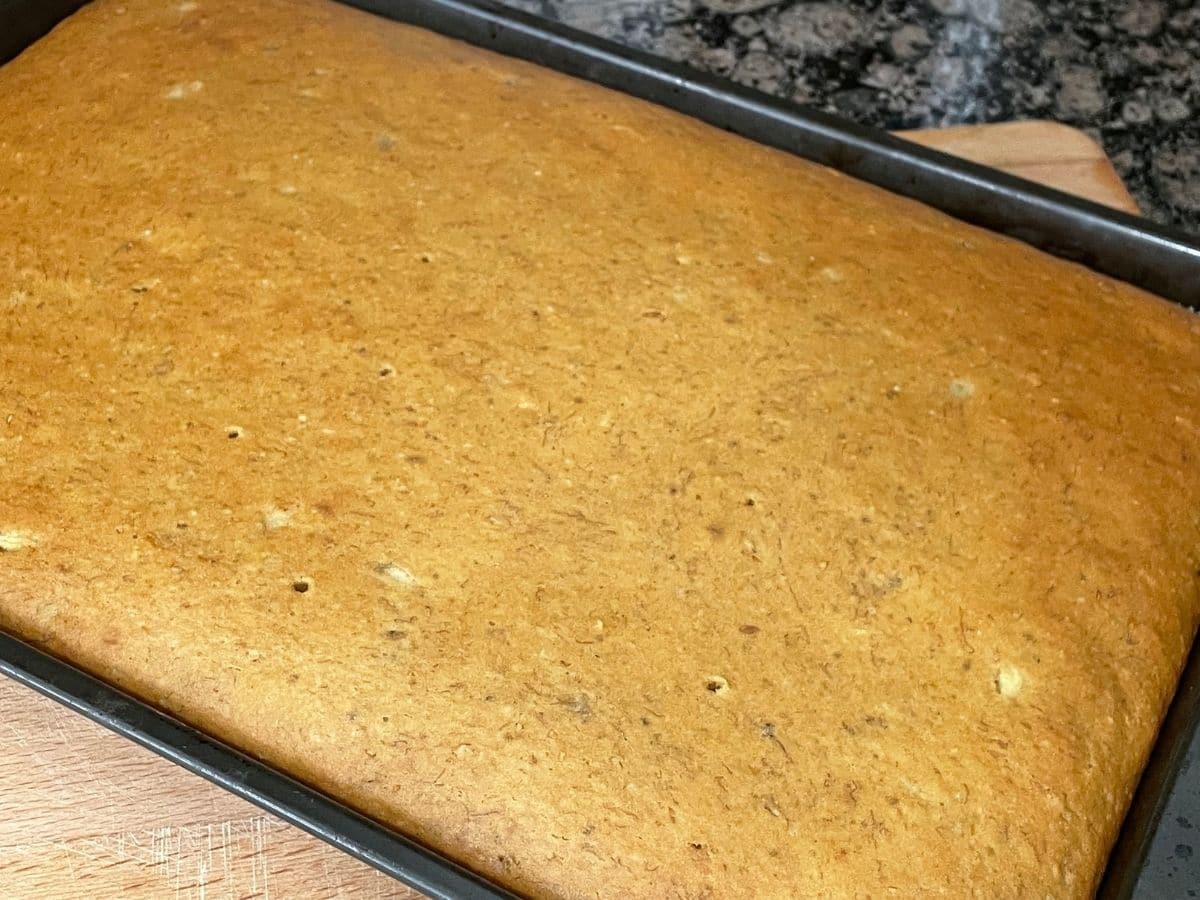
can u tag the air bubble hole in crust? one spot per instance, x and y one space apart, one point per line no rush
715 684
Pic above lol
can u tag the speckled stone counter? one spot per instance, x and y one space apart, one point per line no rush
1127 72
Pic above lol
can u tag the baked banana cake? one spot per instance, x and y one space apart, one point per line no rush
611 503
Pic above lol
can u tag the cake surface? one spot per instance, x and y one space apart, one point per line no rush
621 507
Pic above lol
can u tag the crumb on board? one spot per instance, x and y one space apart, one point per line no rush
715 684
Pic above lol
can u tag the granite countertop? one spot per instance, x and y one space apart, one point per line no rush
1127 72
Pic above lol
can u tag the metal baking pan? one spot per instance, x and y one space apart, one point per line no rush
1159 258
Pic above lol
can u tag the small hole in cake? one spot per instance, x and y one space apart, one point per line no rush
233 432
715 684
302 585
387 370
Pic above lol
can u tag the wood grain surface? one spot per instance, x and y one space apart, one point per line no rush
86 813
1047 152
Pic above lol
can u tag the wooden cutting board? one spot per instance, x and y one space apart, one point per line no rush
86 813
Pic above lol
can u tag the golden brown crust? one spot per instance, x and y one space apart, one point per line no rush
680 518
